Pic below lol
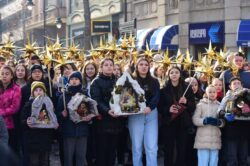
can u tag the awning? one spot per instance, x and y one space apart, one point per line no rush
161 38
243 37
142 37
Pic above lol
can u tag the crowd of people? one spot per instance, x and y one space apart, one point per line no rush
192 119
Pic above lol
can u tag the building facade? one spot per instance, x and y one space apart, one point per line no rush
198 21
101 10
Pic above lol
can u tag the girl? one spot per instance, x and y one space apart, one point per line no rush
117 70
195 87
208 135
21 75
108 125
38 140
90 71
143 128
10 97
37 74
74 134
66 70
219 88
176 129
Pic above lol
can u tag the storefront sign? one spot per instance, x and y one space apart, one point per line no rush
202 33
101 26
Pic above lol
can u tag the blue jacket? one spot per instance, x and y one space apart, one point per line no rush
67 126
244 76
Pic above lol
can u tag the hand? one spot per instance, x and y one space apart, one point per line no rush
212 121
183 100
147 110
64 113
57 125
86 118
229 117
245 108
112 113
29 121
173 109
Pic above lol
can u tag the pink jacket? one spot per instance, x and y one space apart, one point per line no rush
10 100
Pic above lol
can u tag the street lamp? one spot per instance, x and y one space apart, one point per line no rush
58 21
29 4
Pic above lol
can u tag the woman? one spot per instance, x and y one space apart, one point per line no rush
143 128
21 75
10 97
176 124
108 125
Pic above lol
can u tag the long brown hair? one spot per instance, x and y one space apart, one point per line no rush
25 69
149 79
84 74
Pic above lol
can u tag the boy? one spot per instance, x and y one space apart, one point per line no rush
237 126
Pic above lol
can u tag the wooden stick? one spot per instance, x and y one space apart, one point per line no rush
189 85
63 91
50 87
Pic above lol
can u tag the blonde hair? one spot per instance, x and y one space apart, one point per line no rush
207 88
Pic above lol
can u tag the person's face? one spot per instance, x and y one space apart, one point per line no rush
174 75
107 67
218 84
117 71
203 78
38 92
74 81
90 70
37 75
239 61
1 64
34 61
20 72
143 67
195 87
211 93
159 72
67 70
235 84
6 76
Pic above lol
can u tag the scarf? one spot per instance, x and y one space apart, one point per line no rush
74 89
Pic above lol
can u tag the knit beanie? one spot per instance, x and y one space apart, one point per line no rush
37 84
75 74
34 67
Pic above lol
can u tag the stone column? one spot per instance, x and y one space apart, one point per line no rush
232 20
161 12
184 19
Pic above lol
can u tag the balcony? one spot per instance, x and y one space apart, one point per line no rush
37 21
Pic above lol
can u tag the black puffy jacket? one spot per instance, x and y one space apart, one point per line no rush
100 91
167 100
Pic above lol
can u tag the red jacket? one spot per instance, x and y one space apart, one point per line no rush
10 100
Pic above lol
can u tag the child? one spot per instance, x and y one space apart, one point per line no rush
37 117
236 130
208 135
219 87
74 134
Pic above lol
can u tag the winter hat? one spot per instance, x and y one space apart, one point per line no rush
76 74
34 67
37 84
